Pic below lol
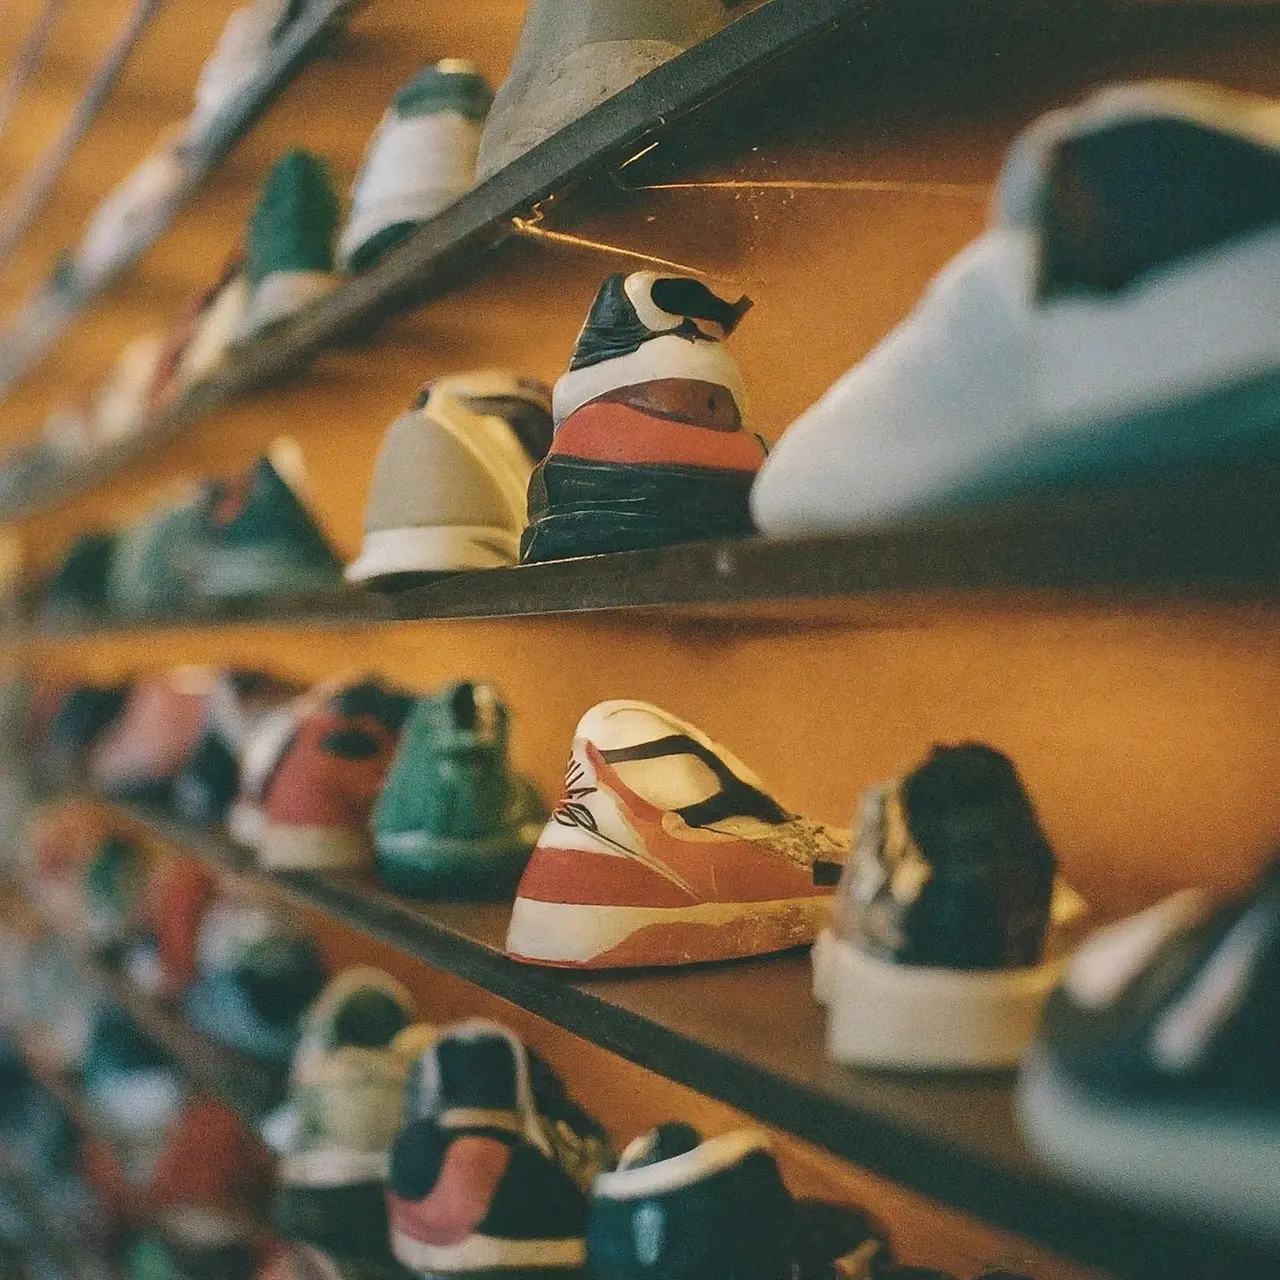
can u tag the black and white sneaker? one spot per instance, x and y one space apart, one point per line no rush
940 951
687 1209
1157 1073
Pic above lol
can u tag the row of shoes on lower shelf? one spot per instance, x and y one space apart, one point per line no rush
402 1149
1055 351
943 936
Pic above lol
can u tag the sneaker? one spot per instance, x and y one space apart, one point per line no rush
421 159
160 957
143 752
76 593
208 1183
1104 327
570 59
50 994
120 405
262 539
61 841
479 1067
346 1101
449 487
649 447
1154 1078
477 1183
453 820
320 797
205 788
938 955
83 719
114 884
665 849
687 1208
257 977
289 254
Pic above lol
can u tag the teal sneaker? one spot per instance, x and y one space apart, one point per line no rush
421 159
114 882
453 820
77 591
263 541
289 255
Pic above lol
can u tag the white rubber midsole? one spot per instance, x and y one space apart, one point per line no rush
333 1167
486 1253
569 933
1221 1168
884 1014
437 549
286 848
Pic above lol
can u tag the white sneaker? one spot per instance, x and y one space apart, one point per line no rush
450 483
1117 317
421 159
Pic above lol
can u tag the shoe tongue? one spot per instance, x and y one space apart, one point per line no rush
659 1144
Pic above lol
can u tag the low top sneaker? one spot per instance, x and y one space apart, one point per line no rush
571 57
262 540
1114 322
346 1102
665 849
77 589
937 955
209 780
289 253
453 820
421 159
321 793
142 753
1154 1078
258 977
688 1209
491 1170
200 340
160 957
449 488
649 445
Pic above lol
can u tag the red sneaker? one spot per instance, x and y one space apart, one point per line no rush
161 958
320 798
664 849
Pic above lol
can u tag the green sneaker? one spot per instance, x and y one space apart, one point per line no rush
421 159
114 882
289 254
263 541
453 820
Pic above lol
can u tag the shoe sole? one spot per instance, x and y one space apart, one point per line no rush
574 936
430 550
578 507
489 1255
282 847
1217 1165
919 1018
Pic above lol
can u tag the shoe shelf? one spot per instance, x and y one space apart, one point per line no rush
450 244
1204 536
45 317
750 1034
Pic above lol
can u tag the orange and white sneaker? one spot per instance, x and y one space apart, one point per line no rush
665 849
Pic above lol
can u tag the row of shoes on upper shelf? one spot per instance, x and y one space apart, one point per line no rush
943 935
449 1152
1112 323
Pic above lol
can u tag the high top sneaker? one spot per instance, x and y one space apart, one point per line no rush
322 789
289 249
491 1170
1115 321
649 446
1154 1077
449 488
937 953
453 820
421 159
689 1209
346 1102
665 849
575 54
